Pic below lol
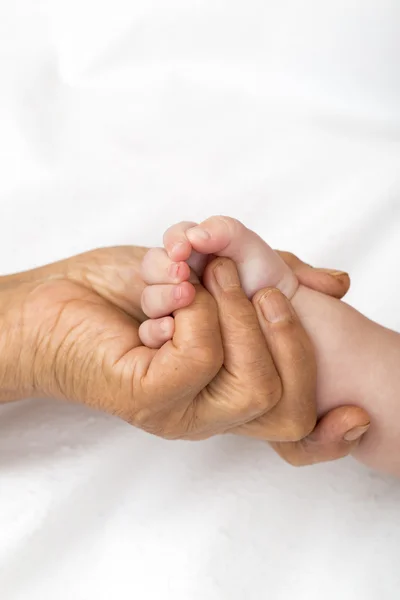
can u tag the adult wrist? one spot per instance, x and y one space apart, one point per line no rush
17 344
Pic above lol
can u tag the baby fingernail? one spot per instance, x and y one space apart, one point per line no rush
198 234
165 327
356 433
177 248
178 292
174 270
275 307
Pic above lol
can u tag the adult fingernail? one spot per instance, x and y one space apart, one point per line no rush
339 274
197 234
275 306
226 275
333 273
356 433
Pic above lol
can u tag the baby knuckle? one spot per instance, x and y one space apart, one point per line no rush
154 302
153 254
234 225
148 260
144 301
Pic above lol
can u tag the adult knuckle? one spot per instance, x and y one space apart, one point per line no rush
241 325
289 256
258 402
270 390
294 430
290 259
200 436
162 426
205 357
294 459
143 418
291 328
272 396
291 453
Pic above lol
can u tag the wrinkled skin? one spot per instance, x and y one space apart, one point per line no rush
70 330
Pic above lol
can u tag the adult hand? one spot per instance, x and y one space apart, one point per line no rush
69 330
338 432
287 369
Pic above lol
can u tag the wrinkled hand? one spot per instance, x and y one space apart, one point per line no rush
70 330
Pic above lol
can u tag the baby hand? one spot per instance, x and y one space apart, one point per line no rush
188 245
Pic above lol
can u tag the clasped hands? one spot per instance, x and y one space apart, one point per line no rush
70 330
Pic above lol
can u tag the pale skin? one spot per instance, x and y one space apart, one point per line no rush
356 358
70 331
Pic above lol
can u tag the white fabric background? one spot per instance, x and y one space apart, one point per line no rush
118 118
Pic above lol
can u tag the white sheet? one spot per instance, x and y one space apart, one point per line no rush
118 118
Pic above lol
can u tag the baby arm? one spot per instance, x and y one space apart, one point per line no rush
356 358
